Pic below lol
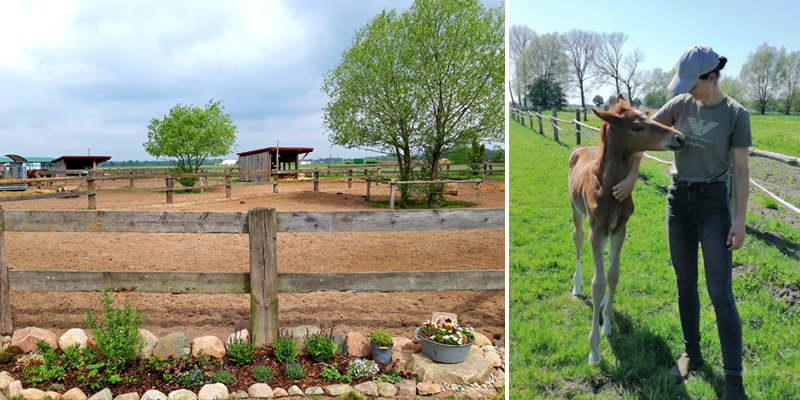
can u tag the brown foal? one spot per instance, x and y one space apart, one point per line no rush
593 171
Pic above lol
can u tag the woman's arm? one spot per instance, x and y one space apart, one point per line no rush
741 186
622 190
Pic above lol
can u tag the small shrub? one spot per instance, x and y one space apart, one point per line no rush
116 333
331 372
321 347
262 373
8 354
381 338
191 377
72 359
769 202
285 349
241 352
203 360
29 361
362 367
222 377
294 371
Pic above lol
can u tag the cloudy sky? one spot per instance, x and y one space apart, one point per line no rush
80 75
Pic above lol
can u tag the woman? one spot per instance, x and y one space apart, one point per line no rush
717 130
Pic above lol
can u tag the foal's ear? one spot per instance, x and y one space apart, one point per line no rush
610 117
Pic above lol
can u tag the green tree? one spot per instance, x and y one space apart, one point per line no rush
761 75
655 99
636 102
733 88
547 93
498 154
477 153
597 100
189 135
420 83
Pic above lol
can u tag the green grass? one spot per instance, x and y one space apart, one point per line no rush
549 329
417 204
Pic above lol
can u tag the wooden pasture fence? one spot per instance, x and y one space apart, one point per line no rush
263 282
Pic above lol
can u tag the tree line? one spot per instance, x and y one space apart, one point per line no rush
547 67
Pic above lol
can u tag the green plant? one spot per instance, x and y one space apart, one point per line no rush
56 386
352 395
222 377
321 346
362 367
447 332
36 372
89 355
285 349
191 377
171 367
331 372
294 371
381 338
769 202
72 359
241 352
94 371
8 354
203 361
116 333
262 373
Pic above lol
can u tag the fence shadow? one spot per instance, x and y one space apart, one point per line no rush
776 240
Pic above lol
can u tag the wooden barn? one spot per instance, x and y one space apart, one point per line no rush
78 162
267 159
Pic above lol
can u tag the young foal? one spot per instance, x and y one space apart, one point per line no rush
593 171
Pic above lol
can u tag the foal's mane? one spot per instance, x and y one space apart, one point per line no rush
619 109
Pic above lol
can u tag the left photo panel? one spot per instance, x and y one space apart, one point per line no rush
235 199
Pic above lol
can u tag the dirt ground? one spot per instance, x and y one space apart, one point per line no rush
219 315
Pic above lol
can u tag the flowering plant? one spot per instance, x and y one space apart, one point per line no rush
447 332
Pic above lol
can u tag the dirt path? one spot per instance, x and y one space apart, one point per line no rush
219 315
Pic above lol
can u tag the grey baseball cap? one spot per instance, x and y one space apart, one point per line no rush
698 60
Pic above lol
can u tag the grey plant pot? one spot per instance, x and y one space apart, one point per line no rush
443 353
381 354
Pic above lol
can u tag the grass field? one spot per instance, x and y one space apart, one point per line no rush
549 328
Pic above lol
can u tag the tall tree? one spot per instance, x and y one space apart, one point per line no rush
790 71
420 83
545 56
631 75
610 58
519 36
189 135
597 100
761 74
732 87
547 93
581 47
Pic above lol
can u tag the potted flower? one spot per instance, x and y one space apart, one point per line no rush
445 341
382 344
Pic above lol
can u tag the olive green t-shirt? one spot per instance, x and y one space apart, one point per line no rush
711 134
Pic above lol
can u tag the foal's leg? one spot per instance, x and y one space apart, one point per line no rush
577 237
614 251
598 240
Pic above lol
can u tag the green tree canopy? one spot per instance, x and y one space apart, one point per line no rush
420 83
189 135
597 100
547 93
655 99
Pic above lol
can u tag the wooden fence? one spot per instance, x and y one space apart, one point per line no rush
263 283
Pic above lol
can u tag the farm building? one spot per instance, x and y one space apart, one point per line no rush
17 167
78 162
266 160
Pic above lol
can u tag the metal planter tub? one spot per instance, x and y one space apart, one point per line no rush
443 353
381 354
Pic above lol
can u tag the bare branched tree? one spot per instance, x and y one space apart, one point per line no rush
631 76
608 62
791 80
545 57
581 48
761 75
519 36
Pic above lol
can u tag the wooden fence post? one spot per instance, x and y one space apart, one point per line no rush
478 193
584 115
92 197
275 185
131 181
555 124
530 117
316 179
329 170
522 118
578 126
170 185
228 181
490 169
484 170
392 186
263 275
378 182
539 116
368 181
350 179
6 327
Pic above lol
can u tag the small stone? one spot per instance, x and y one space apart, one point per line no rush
337 390
5 380
210 345
338 343
368 388
175 343
304 331
13 389
403 359
295 391
314 390
357 345
428 388
407 388
280 392
243 334
53 395
77 394
71 337
213 391
154 395
499 384
493 357
481 340
182 394
149 343
26 338
474 393
260 390
128 396
386 389
499 343
444 393
241 394
104 394
32 394
403 343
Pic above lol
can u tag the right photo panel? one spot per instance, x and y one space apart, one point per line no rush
654 216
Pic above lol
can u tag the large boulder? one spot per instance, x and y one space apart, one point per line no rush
175 343
407 388
260 390
154 395
213 391
367 388
104 394
74 394
128 396
32 394
337 390
358 345
149 341
475 369
13 389
210 345
71 337
182 394
26 338
386 389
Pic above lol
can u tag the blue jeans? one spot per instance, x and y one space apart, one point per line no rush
700 213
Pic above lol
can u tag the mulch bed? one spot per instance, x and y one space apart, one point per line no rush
146 379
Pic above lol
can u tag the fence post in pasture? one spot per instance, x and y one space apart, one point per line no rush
477 193
170 185
316 179
378 182
350 179
490 169
530 117
555 124
275 185
484 170
368 181
578 126
392 185
228 181
92 197
6 327
522 118
539 116
131 180
263 275
584 115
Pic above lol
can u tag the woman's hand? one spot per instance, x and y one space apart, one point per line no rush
737 234
622 190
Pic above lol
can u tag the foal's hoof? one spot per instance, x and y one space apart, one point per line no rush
606 331
594 357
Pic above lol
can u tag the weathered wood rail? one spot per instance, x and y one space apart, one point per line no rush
263 283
